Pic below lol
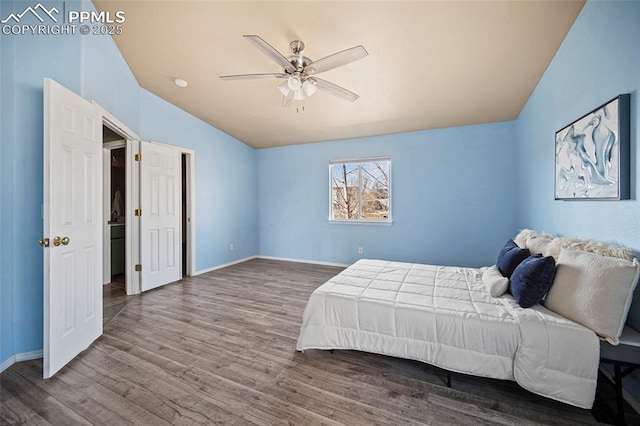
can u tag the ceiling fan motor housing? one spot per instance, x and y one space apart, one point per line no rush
299 62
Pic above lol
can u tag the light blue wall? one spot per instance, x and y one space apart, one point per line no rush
26 61
6 193
226 178
93 67
599 59
107 79
453 195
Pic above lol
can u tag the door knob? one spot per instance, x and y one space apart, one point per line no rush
44 242
57 241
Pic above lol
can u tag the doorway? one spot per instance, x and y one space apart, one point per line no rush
124 239
127 241
114 208
188 181
183 205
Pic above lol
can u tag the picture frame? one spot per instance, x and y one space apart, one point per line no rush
592 154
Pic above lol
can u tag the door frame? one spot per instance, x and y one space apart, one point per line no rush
106 231
191 206
132 198
107 147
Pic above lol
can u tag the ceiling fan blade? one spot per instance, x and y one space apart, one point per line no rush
334 89
252 76
286 100
270 51
336 60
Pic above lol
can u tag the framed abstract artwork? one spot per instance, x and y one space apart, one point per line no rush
592 154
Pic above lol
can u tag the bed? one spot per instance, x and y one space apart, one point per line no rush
444 316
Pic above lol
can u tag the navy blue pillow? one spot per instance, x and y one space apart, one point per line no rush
532 279
510 257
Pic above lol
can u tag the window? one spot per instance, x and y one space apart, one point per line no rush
361 190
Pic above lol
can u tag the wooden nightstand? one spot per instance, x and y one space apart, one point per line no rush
625 358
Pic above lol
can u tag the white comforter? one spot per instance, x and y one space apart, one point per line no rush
443 316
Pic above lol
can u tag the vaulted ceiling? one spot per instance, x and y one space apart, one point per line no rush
431 64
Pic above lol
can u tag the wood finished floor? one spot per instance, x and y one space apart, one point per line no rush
220 349
115 298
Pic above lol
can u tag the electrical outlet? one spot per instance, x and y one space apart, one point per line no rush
360 250
231 247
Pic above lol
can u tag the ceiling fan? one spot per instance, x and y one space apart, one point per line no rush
300 71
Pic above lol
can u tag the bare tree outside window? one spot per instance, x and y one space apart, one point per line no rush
345 179
360 191
375 190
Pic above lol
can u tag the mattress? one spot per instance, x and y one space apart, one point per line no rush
443 316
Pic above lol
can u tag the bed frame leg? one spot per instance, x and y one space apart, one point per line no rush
448 379
331 350
619 399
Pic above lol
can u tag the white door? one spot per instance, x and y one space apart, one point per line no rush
73 224
160 222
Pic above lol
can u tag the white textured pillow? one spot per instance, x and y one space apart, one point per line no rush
538 245
524 234
494 282
594 291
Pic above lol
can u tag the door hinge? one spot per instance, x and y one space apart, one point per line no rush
138 212
44 242
138 267
137 157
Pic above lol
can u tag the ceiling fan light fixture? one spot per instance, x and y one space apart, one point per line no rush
294 82
284 88
309 87
298 95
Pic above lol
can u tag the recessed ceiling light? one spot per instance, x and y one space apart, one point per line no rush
180 82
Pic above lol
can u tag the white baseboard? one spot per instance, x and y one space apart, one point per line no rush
284 259
314 262
24 356
224 265
634 403
7 363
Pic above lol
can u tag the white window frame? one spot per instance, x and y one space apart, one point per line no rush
388 221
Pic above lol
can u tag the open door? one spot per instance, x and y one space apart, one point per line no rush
72 217
160 200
